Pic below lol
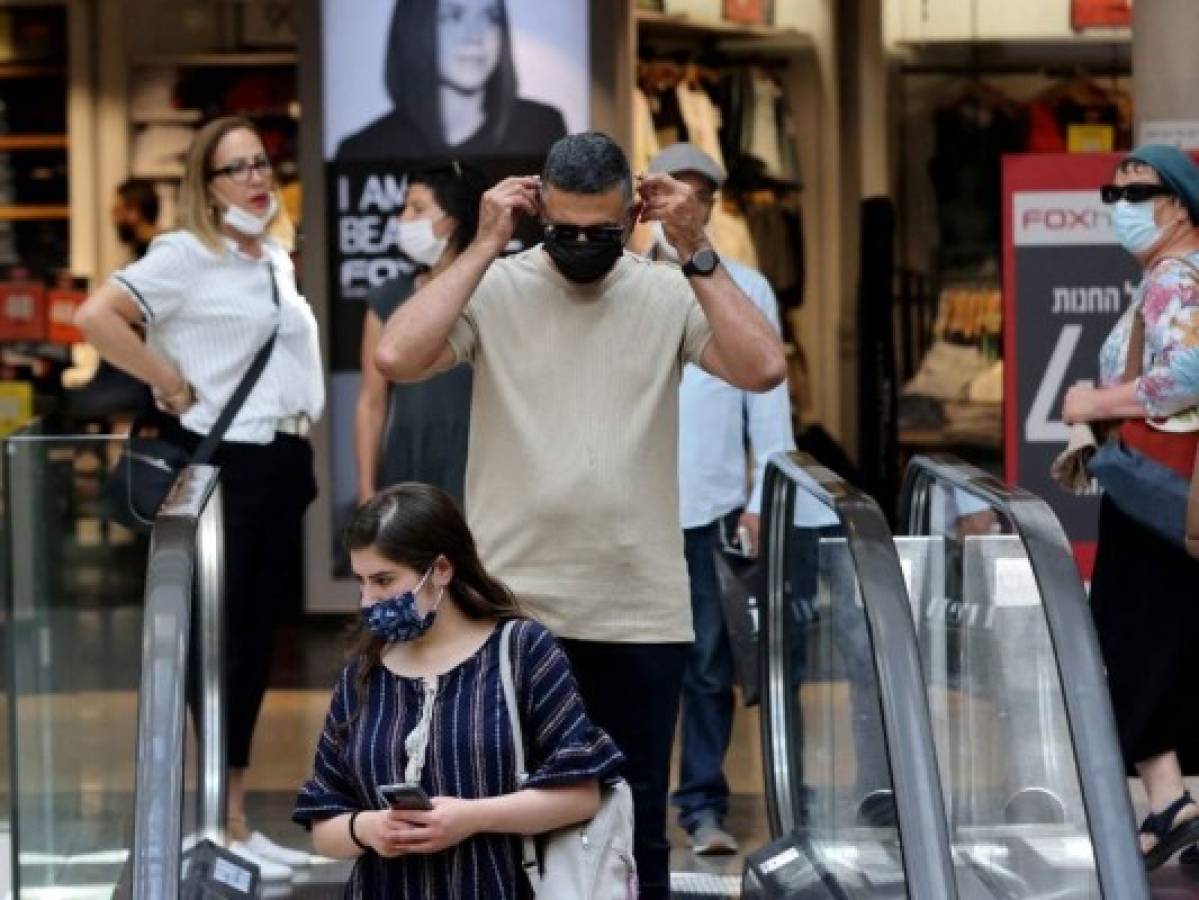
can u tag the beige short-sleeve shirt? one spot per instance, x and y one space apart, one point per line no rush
572 473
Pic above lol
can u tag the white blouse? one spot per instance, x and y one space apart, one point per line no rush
209 313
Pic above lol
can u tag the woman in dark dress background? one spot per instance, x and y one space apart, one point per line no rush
471 108
418 432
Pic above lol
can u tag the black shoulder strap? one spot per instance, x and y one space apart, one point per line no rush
208 446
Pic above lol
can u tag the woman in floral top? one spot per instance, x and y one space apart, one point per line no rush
1145 590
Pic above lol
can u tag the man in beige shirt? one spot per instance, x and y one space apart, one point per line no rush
572 479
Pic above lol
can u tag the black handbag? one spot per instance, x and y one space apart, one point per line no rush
140 481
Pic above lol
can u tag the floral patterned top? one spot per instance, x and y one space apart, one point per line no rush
1169 385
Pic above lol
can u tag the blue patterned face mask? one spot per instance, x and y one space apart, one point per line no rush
397 619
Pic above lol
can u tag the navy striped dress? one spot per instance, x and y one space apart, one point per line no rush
469 756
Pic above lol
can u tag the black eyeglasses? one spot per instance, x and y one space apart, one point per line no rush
593 234
1133 193
242 170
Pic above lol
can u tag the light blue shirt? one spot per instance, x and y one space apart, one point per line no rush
716 419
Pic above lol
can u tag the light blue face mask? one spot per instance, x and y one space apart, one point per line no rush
1134 226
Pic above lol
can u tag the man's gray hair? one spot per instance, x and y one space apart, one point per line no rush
589 162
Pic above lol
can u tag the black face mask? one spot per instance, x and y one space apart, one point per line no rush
126 233
583 261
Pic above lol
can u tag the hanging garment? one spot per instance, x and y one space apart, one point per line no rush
669 125
778 243
764 131
703 120
645 141
971 138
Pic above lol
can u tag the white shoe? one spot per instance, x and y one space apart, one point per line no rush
267 870
263 846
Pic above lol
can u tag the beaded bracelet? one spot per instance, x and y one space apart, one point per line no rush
354 837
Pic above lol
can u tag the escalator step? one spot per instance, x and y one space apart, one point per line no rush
705 885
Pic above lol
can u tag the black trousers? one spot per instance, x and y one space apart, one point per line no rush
265 489
1145 601
632 691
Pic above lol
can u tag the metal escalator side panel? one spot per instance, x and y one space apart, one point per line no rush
893 653
1076 660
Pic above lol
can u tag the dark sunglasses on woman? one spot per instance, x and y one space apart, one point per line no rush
1133 193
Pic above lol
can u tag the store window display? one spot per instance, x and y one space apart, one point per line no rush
472 107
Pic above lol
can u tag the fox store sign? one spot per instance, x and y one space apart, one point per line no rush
1066 282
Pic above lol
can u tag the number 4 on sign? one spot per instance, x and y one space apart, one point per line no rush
1042 426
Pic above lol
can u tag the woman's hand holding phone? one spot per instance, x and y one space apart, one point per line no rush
450 822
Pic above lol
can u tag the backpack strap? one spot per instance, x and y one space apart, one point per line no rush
528 847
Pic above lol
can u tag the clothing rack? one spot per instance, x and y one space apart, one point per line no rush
1014 69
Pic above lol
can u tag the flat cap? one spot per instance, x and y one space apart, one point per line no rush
686 157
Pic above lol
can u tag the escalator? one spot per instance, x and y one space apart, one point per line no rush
1033 781
934 718
968 751
853 796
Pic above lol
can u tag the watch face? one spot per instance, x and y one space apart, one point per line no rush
704 261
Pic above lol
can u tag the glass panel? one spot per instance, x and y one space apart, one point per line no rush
74 637
1007 762
842 781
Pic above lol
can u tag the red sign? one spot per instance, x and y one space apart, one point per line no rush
748 12
61 306
22 311
1101 14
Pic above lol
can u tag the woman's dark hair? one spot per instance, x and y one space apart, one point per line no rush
457 188
411 71
140 194
412 525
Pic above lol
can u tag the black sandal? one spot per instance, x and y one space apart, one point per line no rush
1170 838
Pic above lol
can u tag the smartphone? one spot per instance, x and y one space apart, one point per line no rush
405 796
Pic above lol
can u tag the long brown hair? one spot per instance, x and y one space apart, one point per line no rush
412 525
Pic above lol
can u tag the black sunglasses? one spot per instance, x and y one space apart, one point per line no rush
1133 193
593 234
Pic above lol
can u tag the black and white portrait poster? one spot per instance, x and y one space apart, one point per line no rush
410 84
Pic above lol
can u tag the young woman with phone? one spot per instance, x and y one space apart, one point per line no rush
419 708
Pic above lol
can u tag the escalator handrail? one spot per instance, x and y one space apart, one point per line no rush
927 857
1076 652
185 555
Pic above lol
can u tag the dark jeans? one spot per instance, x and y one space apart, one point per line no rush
707 724
632 692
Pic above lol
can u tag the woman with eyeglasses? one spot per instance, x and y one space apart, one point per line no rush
451 75
418 432
211 295
1145 590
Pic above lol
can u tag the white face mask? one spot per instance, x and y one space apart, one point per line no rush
666 249
245 222
418 242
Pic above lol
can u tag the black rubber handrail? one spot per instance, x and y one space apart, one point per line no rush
184 576
1075 644
927 855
